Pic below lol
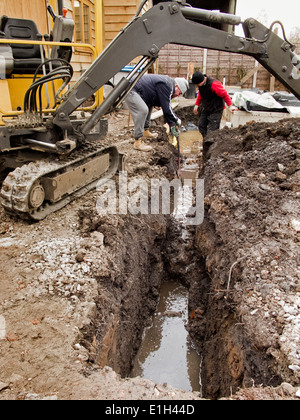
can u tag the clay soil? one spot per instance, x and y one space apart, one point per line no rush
77 289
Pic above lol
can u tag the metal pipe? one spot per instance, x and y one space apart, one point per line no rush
60 7
122 88
105 106
143 71
204 60
137 67
41 144
210 16
51 43
47 37
44 73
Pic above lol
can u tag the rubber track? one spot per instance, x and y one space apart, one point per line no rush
17 185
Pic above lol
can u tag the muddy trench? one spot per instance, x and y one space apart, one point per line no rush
230 264
148 254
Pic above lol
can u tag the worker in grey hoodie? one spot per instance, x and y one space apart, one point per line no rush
150 91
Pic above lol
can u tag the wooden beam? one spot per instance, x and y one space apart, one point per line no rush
191 70
248 75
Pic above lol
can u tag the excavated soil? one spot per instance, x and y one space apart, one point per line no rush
250 241
77 289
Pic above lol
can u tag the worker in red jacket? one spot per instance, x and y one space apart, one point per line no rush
212 95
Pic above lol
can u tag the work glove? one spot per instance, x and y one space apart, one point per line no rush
196 109
174 131
232 108
178 122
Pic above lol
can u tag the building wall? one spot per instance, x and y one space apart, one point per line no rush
26 9
82 57
116 15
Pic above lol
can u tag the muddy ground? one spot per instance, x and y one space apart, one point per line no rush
77 289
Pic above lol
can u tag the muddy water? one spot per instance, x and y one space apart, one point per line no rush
166 354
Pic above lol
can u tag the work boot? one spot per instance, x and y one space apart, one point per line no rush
148 135
173 141
139 145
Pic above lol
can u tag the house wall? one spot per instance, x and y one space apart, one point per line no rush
26 9
116 15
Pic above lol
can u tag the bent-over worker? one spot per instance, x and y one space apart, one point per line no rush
150 91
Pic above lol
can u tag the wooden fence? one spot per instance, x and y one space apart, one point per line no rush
237 69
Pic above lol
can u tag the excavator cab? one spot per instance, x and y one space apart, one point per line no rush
28 57
35 73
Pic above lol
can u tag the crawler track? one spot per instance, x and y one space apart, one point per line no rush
25 191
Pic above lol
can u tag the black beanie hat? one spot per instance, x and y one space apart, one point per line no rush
197 78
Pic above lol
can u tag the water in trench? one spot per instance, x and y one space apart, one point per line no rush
167 354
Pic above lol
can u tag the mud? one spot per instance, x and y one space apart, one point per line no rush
77 289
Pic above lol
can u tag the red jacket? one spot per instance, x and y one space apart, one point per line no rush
213 95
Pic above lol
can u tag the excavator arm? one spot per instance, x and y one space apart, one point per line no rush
173 22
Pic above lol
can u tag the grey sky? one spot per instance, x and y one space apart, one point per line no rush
267 11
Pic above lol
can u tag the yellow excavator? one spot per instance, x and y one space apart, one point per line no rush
50 153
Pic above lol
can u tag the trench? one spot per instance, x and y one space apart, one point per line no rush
161 294
145 323
167 353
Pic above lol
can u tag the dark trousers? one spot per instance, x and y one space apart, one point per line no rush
209 122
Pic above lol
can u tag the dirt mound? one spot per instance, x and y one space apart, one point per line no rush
250 242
